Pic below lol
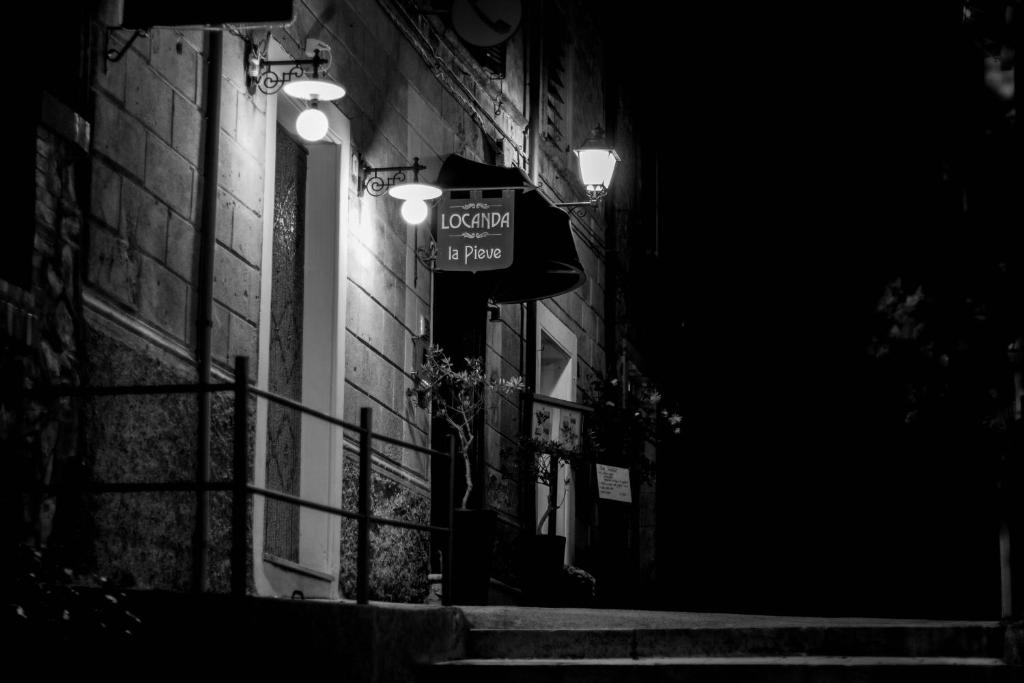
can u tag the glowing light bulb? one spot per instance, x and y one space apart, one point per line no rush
414 211
311 124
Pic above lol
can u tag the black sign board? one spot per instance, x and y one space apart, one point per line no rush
475 230
147 13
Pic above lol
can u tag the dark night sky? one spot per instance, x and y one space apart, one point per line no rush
803 145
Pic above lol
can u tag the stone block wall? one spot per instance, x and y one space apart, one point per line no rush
145 198
41 338
140 295
146 193
398 557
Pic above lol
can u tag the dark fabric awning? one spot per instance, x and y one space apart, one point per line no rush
545 264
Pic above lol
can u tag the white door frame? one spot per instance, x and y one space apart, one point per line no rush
566 339
323 353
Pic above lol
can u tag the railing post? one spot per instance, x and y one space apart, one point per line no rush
363 546
447 564
553 475
240 478
1009 485
1005 568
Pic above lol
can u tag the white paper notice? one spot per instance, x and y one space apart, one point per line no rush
613 483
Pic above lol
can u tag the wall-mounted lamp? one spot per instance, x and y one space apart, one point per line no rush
414 195
597 162
311 123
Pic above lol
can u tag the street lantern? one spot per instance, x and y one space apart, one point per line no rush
414 195
597 164
312 123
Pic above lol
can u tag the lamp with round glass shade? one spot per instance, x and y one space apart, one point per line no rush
376 180
312 123
414 196
297 82
597 163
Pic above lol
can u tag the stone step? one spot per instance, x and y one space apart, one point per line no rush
724 670
915 640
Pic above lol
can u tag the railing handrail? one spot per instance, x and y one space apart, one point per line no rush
239 483
291 403
196 387
184 485
130 389
365 430
333 509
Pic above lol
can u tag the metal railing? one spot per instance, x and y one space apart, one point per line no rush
240 487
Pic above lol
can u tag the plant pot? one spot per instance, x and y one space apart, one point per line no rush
473 541
541 570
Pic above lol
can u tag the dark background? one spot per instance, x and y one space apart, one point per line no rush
814 154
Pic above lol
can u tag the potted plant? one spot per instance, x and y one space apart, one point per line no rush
458 396
539 460
624 430
577 588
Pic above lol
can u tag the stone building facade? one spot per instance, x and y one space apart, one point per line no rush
115 293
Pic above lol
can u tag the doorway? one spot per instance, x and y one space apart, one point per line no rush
301 351
556 378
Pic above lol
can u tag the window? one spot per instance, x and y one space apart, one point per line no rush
284 362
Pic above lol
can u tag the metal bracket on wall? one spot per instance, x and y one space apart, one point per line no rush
426 255
114 55
578 209
371 179
259 74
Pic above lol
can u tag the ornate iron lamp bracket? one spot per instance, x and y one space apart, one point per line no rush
260 73
376 180
579 209
114 54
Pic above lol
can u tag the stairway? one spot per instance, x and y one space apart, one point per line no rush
538 645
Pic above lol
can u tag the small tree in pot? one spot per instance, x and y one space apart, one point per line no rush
612 434
540 460
458 396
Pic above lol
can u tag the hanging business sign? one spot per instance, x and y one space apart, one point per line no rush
613 483
146 14
475 229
